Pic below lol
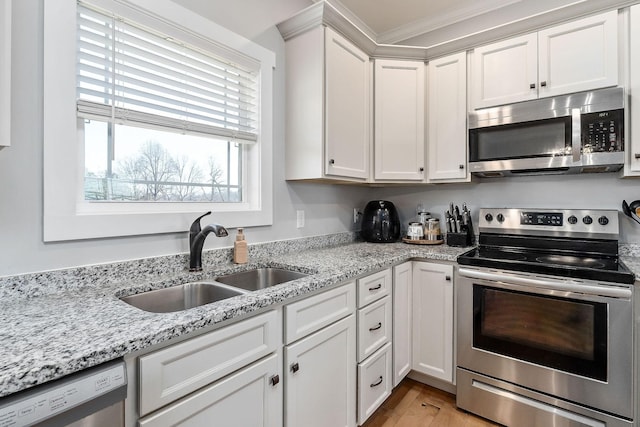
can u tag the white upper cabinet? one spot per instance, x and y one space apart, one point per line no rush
504 72
579 55
633 167
348 108
572 57
399 120
447 119
328 117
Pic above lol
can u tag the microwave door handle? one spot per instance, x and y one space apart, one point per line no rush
576 128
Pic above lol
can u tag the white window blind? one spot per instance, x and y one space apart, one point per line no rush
129 75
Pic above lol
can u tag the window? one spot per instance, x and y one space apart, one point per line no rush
148 123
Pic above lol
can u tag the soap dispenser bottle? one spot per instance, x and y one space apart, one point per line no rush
240 253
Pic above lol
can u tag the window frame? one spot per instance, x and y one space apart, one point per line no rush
66 215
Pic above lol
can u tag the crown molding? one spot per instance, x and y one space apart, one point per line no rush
452 39
417 28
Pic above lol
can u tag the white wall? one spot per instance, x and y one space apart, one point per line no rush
328 209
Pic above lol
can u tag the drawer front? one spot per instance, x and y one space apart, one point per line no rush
249 397
173 372
374 287
375 382
374 327
312 314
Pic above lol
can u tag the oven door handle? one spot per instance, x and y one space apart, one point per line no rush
558 285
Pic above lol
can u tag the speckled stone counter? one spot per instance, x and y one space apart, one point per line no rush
56 323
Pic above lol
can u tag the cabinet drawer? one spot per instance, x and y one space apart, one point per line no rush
173 372
374 287
309 315
374 382
249 397
374 327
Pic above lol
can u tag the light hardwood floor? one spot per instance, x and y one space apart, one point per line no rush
413 404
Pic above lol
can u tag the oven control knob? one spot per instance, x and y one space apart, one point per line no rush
572 220
500 218
587 220
488 217
603 220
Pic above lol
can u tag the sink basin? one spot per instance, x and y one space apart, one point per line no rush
181 297
260 278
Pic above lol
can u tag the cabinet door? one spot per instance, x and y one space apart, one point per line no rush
399 120
402 321
249 397
579 55
433 320
347 108
320 378
634 91
447 120
505 72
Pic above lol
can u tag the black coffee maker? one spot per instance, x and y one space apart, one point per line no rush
380 222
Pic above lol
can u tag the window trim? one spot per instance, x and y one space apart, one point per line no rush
63 151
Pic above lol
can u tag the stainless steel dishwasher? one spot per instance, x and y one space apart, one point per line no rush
90 398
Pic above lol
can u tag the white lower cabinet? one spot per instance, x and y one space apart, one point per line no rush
173 372
402 320
433 318
374 327
249 397
320 378
375 382
375 331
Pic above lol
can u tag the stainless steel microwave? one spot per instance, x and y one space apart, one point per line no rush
580 132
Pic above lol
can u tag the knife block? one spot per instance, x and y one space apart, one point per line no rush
463 238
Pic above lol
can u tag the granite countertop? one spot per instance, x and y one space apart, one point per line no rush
49 331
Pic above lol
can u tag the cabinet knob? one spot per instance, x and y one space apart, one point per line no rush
375 288
295 367
447 278
375 328
332 162
421 169
543 84
461 166
274 380
637 155
532 86
377 383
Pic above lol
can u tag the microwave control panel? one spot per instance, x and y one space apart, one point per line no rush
602 131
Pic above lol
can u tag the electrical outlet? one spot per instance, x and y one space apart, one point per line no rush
299 219
356 215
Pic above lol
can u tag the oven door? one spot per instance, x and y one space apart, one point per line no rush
567 338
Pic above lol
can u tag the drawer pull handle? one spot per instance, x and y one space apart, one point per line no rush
543 84
375 328
532 86
295 367
274 380
377 383
447 278
375 288
637 155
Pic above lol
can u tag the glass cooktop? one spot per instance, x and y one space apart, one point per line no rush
571 265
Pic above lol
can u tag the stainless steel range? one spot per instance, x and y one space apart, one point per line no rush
545 321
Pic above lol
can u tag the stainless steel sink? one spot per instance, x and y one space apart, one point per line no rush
260 278
181 297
